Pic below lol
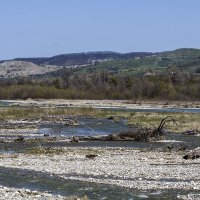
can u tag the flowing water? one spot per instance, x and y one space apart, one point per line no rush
44 182
86 127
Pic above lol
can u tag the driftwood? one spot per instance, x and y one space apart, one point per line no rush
191 132
174 147
143 134
91 156
138 134
20 139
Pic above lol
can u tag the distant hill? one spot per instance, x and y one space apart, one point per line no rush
38 66
83 58
186 60
134 63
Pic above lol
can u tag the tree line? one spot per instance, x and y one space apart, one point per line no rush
168 86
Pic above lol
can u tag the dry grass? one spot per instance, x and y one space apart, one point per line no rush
40 150
31 112
184 121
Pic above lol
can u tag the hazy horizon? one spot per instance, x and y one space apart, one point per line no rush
47 28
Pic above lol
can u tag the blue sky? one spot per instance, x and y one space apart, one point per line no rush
31 28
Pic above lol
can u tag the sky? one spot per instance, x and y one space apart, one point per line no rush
42 28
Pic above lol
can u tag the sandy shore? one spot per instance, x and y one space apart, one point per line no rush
117 166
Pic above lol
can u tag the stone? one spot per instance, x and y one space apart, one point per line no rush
91 156
20 139
75 139
193 154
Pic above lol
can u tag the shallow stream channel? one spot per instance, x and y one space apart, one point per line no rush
91 127
48 183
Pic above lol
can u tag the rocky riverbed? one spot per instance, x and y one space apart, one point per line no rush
45 157
22 194
124 167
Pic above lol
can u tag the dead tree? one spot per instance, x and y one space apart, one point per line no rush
159 129
141 134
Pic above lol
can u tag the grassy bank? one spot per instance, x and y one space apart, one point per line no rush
33 112
184 121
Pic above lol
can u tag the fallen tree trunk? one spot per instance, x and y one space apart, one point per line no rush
143 134
138 134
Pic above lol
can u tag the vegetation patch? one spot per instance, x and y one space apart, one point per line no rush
39 150
34 112
44 150
184 121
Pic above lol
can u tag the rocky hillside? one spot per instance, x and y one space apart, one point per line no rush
10 69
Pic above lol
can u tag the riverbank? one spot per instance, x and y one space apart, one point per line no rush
123 104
